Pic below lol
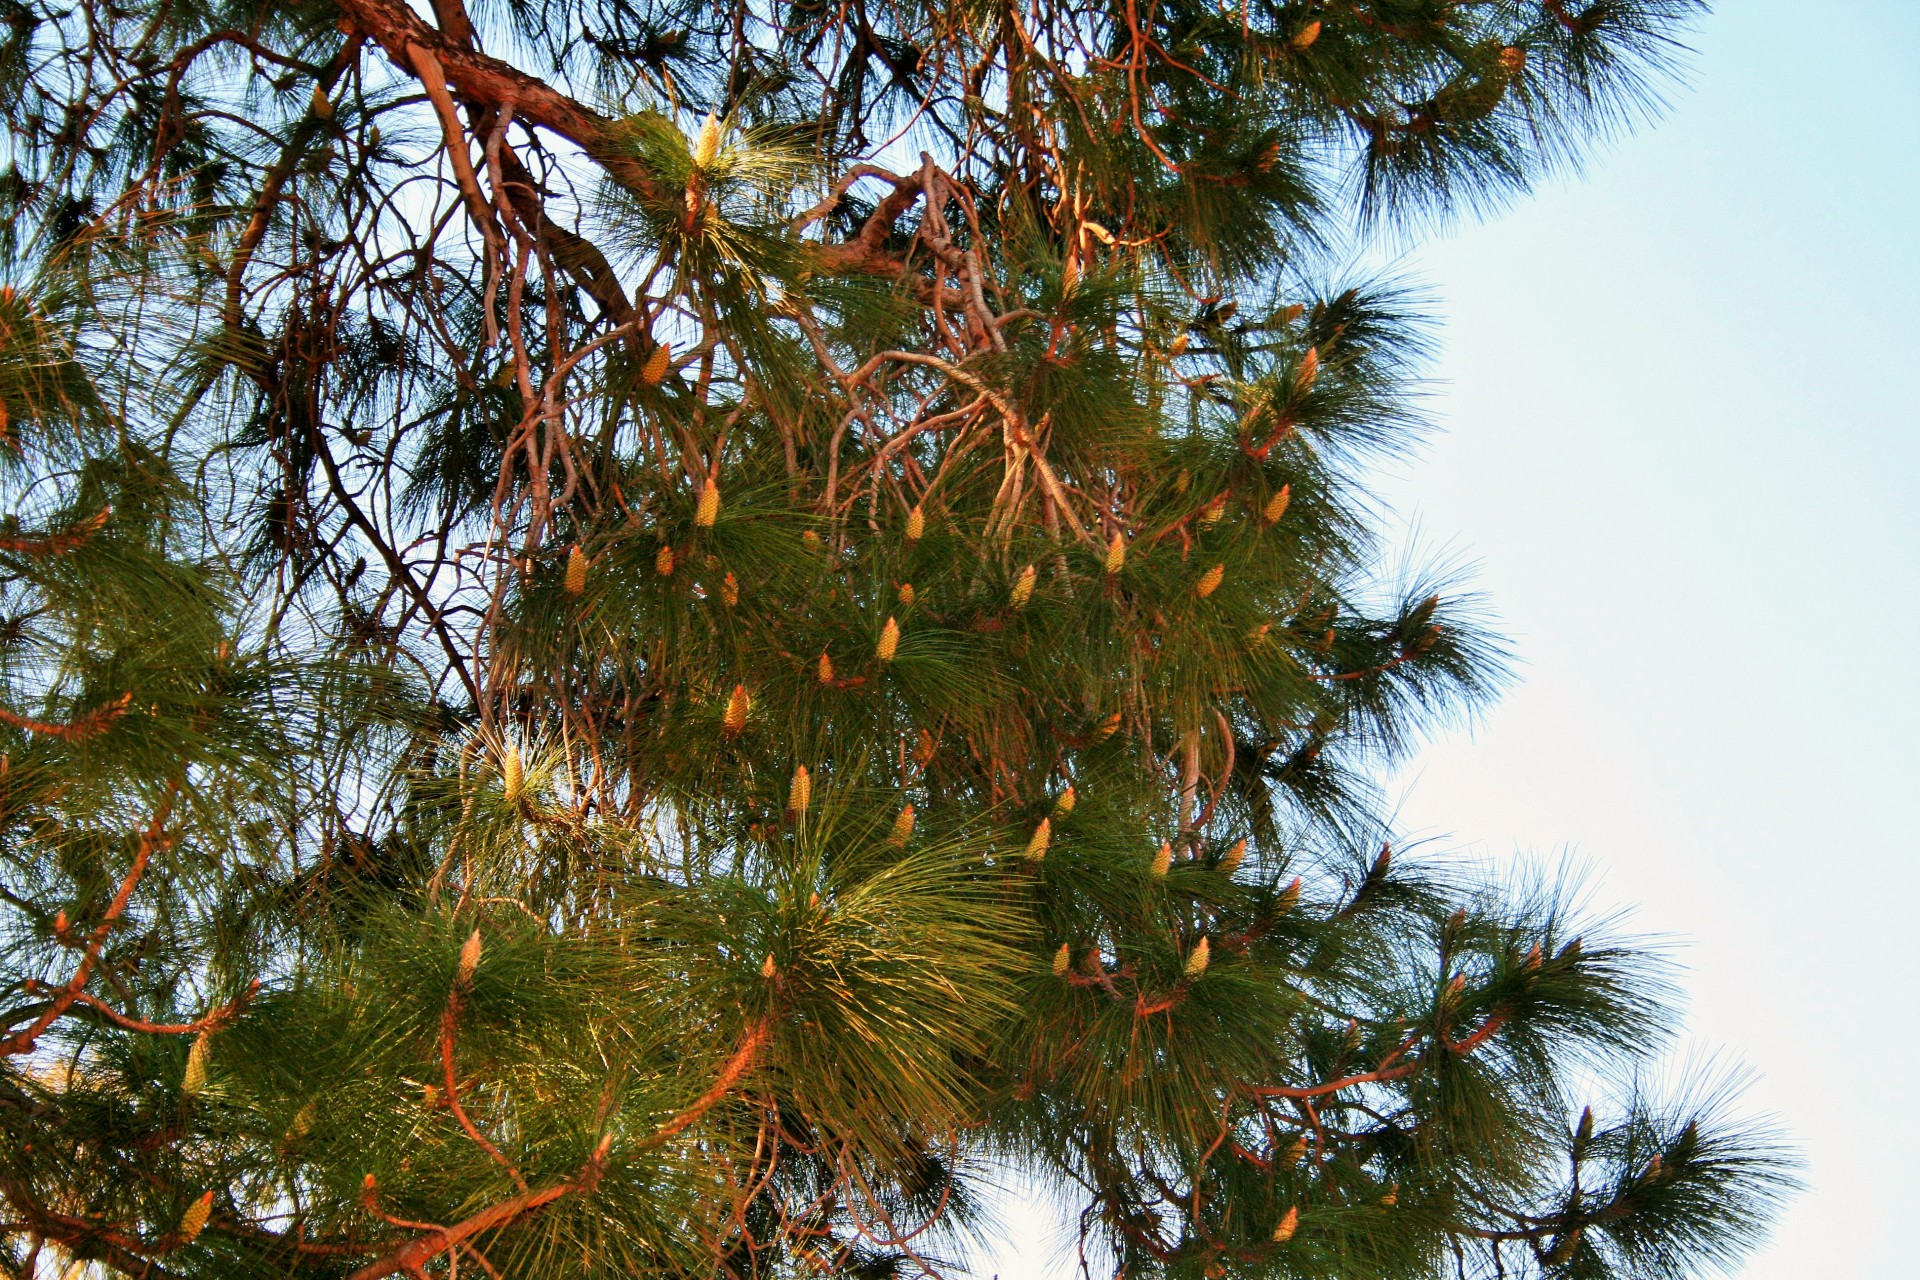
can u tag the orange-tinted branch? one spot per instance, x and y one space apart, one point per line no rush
96 721
213 1021
738 1065
152 840
60 543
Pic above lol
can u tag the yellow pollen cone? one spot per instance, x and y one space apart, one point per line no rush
302 1123
1298 1151
195 1078
905 593
735 718
889 641
707 146
1304 38
923 749
1277 505
1309 370
1178 347
1062 960
1290 1223
1064 805
1116 554
1163 860
708 510
1211 513
1289 896
768 968
916 524
800 792
658 365
513 776
1022 588
469 959
826 669
1108 727
902 828
1042 837
1210 581
1231 863
663 562
1197 959
729 591
194 1220
576 571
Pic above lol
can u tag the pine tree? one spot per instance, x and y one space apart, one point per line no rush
653 639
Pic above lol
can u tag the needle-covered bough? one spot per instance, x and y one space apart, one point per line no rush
661 639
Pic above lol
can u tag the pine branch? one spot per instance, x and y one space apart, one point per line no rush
153 839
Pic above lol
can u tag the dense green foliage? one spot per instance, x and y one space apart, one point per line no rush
658 639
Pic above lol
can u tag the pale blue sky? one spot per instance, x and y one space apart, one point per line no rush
1681 406
1682 409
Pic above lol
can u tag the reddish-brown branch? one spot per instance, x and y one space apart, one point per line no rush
1200 1173
152 840
271 188
448 1022
411 1258
738 1065
117 1247
1382 669
1386 1071
67 540
1495 1020
489 82
433 79
1334 1086
212 1021
96 721
1145 1008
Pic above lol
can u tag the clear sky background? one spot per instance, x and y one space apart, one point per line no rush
1680 402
